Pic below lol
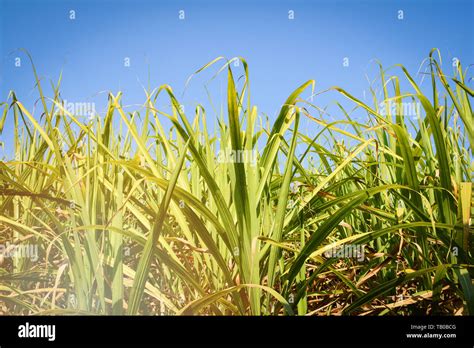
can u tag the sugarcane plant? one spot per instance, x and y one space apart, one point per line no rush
141 213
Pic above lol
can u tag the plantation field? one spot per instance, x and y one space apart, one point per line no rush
124 214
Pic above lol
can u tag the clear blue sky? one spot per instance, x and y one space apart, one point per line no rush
281 53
